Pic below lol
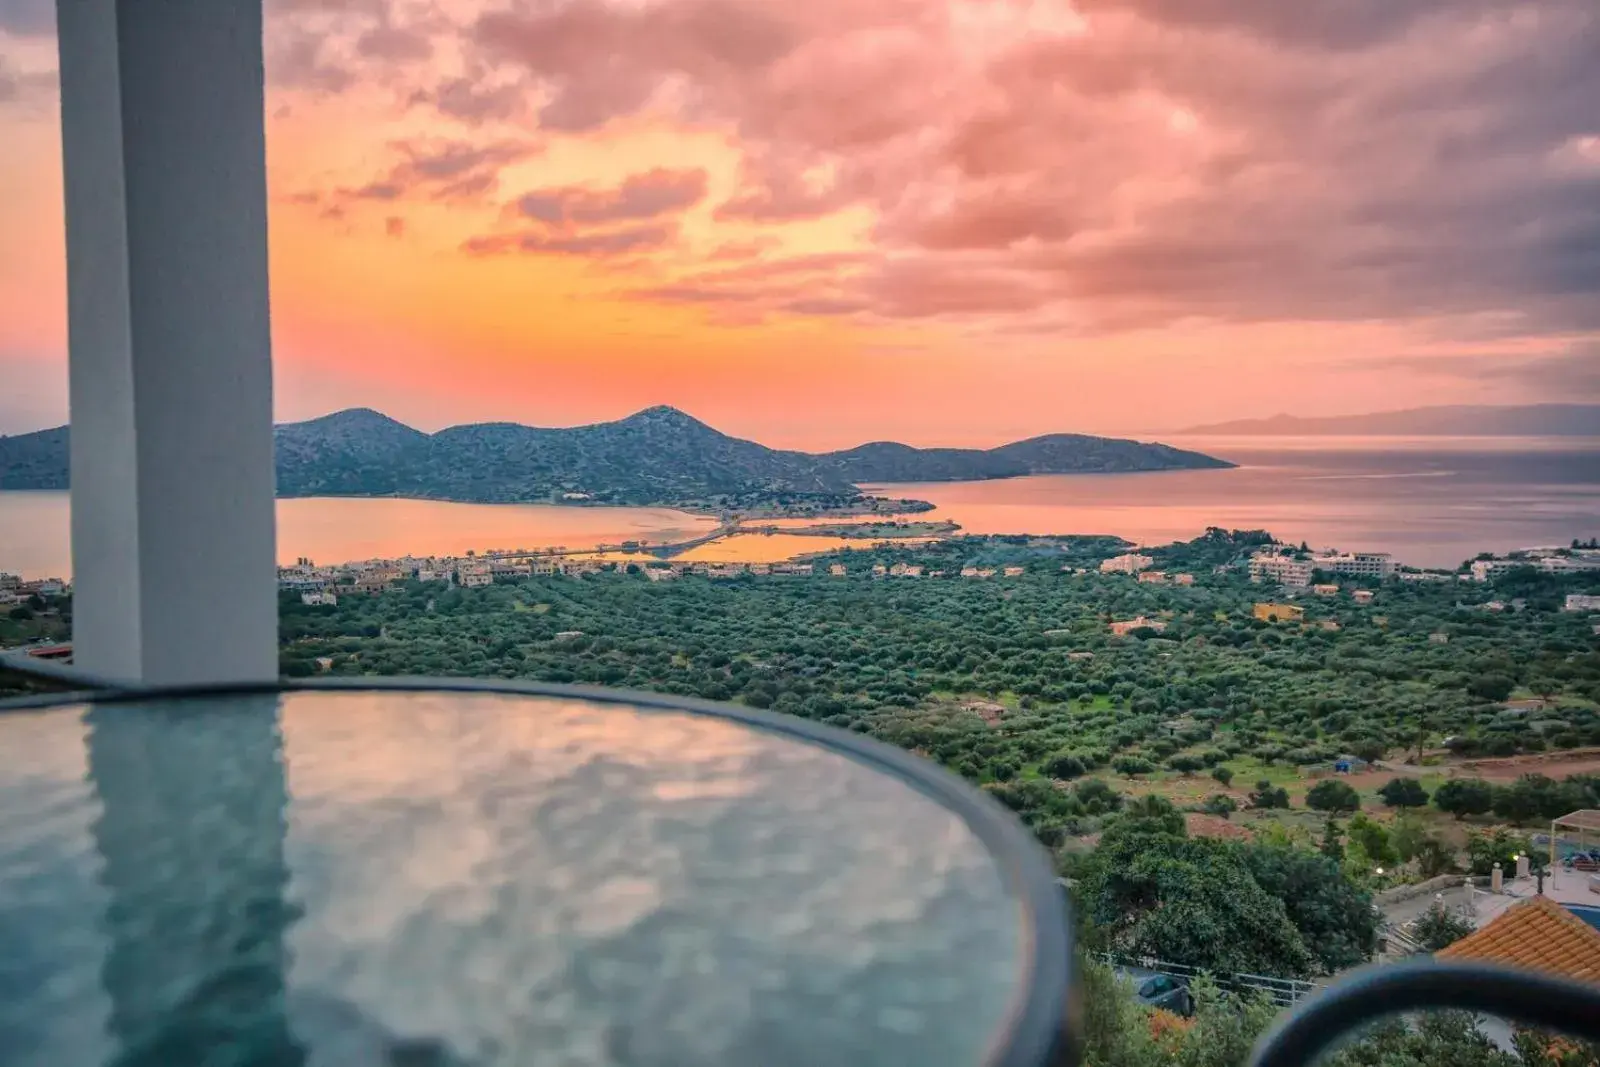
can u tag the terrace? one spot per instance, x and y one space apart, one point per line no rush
201 864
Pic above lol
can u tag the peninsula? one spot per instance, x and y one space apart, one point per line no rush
659 457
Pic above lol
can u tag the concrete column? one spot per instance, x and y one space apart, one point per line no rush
1496 879
171 369
1523 865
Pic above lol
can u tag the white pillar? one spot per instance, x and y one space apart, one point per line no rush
171 367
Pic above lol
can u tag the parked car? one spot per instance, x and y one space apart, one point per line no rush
1158 990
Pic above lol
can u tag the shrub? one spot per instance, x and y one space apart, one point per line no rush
1333 795
1404 793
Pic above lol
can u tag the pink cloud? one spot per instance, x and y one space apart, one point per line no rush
660 191
604 243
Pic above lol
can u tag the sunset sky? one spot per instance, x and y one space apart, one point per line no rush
819 222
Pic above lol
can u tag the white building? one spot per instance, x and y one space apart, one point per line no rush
1582 602
1548 563
319 599
1285 570
1130 563
1568 564
1357 564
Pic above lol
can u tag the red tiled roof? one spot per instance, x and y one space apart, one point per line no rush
1538 935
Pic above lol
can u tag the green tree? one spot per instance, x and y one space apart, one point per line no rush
1407 833
1500 846
1064 765
1332 795
1439 927
1220 804
1403 792
1152 891
1374 841
1492 687
1331 912
1267 796
1535 796
1185 764
1540 1048
1435 1039
1464 796
1332 845
1222 774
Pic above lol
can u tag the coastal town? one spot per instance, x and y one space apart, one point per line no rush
1293 573
1294 570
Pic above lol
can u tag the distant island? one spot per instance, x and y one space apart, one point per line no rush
1529 420
657 457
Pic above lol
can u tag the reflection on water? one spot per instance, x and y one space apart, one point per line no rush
474 879
1432 502
752 548
34 538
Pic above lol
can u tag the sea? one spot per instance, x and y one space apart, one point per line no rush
1432 502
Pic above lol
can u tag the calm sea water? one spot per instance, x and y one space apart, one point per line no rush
34 529
1431 501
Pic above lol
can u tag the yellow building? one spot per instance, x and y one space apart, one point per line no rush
1269 612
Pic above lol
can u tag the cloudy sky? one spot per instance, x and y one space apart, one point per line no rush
819 222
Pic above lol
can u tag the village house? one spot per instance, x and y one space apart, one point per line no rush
1285 570
1363 596
1128 563
1325 590
1184 579
1127 626
1153 578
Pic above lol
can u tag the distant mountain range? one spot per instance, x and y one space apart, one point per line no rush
1530 420
658 456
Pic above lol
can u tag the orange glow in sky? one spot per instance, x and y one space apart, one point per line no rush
941 221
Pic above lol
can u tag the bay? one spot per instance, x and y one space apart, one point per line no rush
1431 501
34 529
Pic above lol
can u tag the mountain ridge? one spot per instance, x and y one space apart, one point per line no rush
657 456
1457 420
